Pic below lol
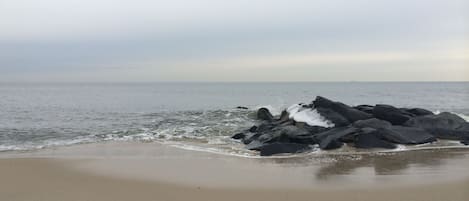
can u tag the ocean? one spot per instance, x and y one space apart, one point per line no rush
198 116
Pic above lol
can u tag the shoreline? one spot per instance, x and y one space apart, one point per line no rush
152 171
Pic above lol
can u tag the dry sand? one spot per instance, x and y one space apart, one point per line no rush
129 171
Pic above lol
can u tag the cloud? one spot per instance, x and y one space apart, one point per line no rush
152 40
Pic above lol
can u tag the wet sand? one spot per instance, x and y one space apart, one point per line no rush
150 171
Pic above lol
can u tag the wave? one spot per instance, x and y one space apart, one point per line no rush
207 131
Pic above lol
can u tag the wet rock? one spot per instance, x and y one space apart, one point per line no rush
365 108
302 135
465 142
406 135
255 145
372 123
444 120
332 116
391 114
277 148
264 114
284 116
265 126
449 134
331 139
444 125
238 136
249 137
242 108
363 126
253 129
315 129
417 111
349 113
369 140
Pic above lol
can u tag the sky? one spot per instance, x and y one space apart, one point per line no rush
231 41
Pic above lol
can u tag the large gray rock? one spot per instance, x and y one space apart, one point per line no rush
417 111
405 135
369 140
333 116
332 139
349 113
391 114
444 125
444 120
277 148
372 123
365 108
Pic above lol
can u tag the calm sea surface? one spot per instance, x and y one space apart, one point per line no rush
190 115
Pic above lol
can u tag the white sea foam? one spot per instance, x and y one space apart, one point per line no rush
307 115
465 117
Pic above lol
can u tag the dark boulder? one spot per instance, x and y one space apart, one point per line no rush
349 113
372 123
391 114
265 126
365 108
444 125
302 135
278 148
314 129
284 116
334 117
417 111
283 134
405 135
449 134
332 139
249 137
465 142
444 120
238 136
369 140
253 129
293 134
255 145
264 114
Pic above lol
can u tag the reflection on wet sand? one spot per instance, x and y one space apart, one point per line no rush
423 163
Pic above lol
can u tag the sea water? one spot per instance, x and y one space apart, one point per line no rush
197 116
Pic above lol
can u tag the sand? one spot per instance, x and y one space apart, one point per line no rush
151 171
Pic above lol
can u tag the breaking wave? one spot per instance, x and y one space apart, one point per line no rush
208 131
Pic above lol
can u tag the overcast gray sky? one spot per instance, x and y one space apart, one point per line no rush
237 40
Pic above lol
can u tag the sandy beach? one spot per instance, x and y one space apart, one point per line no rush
151 171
